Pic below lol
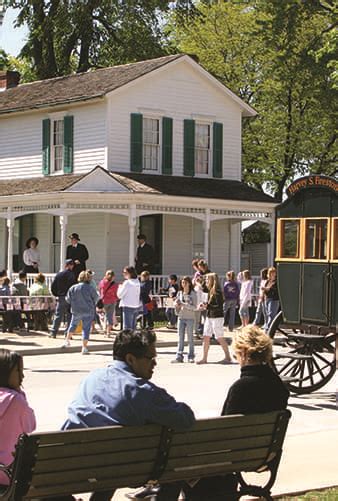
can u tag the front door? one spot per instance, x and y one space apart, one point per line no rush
151 227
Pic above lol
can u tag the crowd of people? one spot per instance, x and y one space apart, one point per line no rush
197 305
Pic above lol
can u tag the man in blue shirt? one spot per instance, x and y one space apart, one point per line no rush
61 284
122 394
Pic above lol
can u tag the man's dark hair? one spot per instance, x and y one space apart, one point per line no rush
131 270
135 342
173 277
22 274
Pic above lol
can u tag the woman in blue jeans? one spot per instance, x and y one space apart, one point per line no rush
271 297
185 306
129 295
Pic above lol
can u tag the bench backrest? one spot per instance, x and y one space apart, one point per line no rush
78 461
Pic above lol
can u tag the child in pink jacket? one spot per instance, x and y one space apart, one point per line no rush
16 416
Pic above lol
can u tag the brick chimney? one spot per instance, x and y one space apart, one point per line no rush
9 79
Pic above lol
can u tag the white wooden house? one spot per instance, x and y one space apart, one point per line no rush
153 146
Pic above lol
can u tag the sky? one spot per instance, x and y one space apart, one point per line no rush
12 39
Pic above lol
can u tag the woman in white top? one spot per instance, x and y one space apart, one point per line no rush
245 297
129 295
31 256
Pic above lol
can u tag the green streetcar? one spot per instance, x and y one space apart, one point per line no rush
305 330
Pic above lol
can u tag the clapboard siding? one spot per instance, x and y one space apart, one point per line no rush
178 92
118 244
258 256
21 136
177 244
219 246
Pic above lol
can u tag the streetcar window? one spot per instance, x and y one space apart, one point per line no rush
335 239
290 238
316 239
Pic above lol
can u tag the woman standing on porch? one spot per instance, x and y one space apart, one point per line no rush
31 256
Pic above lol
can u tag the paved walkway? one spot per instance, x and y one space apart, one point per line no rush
310 459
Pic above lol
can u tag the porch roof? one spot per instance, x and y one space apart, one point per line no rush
181 186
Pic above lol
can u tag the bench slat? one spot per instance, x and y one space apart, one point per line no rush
222 456
222 468
86 461
192 437
225 444
95 448
76 487
86 435
235 420
103 472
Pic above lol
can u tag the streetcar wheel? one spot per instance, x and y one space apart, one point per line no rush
305 362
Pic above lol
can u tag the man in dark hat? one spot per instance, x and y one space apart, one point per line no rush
78 253
144 260
61 284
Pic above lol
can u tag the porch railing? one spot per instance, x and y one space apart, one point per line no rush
159 281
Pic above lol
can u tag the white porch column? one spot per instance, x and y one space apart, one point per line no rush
63 245
132 225
271 245
10 228
234 246
206 227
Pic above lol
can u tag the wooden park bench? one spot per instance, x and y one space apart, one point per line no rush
26 306
93 459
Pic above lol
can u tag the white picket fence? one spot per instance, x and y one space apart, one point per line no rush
159 281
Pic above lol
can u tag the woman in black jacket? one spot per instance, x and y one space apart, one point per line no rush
214 320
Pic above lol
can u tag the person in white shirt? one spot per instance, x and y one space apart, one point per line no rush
245 297
129 295
31 256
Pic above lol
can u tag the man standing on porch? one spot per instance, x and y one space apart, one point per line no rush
144 260
78 253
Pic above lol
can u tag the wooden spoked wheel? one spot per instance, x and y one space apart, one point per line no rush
305 361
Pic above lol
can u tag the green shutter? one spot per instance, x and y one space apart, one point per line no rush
46 146
189 148
217 150
68 140
167 145
136 142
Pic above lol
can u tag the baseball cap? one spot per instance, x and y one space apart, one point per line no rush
69 261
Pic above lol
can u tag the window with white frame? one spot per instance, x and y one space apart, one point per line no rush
151 144
57 145
202 148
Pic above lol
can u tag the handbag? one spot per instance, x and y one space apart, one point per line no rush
100 304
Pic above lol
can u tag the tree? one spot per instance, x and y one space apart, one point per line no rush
264 50
72 35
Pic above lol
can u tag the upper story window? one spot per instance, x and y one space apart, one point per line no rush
57 145
202 148
151 144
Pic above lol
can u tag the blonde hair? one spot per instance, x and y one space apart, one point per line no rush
246 275
213 283
254 344
272 269
84 276
145 274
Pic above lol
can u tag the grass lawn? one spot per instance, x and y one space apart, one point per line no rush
325 495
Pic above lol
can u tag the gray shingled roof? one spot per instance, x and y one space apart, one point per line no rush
181 186
78 87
